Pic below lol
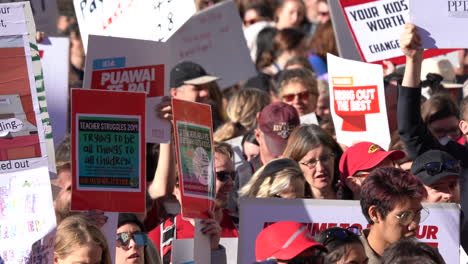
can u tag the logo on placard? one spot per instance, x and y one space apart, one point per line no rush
352 103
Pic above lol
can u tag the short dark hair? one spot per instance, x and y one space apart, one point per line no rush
410 250
384 187
439 106
337 246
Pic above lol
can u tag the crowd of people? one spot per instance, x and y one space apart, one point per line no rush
263 150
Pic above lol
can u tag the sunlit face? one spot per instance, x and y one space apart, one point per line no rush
321 175
290 15
297 95
442 191
390 227
223 189
251 17
90 253
133 253
445 127
323 12
63 198
323 107
355 254
194 93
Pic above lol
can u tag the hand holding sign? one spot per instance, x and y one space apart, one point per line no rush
411 42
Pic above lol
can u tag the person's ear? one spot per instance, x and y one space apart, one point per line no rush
463 127
173 92
257 133
374 214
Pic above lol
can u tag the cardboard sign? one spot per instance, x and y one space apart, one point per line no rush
149 20
377 25
116 64
45 14
344 39
357 99
18 93
195 157
441 229
214 39
27 216
439 22
54 58
108 145
182 250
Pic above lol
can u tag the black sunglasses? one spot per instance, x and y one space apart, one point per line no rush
225 175
123 239
342 234
433 168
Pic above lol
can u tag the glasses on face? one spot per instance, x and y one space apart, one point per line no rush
311 164
123 239
407 217
225 175
434 168
302 96
342 234
446 131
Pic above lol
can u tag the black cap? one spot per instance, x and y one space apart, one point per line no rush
418 167
127 218
188 72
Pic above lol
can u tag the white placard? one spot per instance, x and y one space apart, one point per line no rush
12 20
357 102
182 252
309 119
377 27
27 217
157 130
439 23
153 20
344 39
54 58
214 39
441 229
45 14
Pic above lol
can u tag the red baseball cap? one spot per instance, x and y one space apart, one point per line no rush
284 240
276 121
364 156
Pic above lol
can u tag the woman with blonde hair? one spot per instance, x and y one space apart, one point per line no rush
80 241
242 111
280 178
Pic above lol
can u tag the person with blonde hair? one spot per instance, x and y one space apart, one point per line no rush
280 178
242 111
298 87
80 241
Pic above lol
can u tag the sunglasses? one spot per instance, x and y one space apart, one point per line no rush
302 96
342 234
407 217
123 239
225 175
434 168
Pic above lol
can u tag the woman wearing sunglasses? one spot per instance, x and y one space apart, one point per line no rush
318 156
80 241
391 202
343 244
298 87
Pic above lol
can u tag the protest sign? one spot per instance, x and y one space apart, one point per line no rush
344 40
148 20
117 64
45 14
441 229
27 216
22 127
182 250
439 22
357 99
377 25
214 39
54 57
195 157
108 145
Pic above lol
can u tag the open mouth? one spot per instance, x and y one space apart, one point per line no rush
134 256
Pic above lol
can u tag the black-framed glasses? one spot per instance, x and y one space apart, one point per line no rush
434 168
123 239
311 164
225 175
342 234
406 217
